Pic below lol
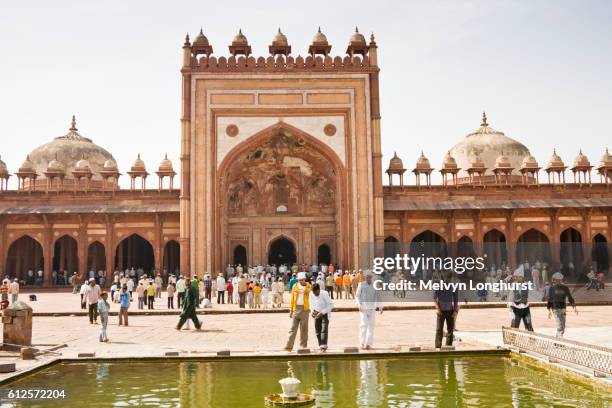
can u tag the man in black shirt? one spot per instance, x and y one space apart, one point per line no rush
446 302
557 297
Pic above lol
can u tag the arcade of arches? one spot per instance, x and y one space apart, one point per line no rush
281 200
56 253
569 253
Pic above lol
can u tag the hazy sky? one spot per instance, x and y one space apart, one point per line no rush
541 69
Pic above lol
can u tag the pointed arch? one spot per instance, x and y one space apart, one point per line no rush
24 254
96 256
533 245
135 252
600 254
172 258
282 249
65 256
571 252
495 248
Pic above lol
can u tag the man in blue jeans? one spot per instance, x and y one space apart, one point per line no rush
447 305
124 304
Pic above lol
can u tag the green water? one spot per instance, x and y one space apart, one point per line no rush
427 382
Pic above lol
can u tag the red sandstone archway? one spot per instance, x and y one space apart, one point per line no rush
532 246
571 254
172 258
495 248
135 252
428 244
24 254
96 257
65 256
600 254
249 186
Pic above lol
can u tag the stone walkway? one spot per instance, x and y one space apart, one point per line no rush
266 333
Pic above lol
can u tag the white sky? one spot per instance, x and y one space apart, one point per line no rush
541 69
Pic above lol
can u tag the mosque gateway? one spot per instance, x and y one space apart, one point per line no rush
280 163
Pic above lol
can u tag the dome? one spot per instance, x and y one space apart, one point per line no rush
68 150
138 164
166 164
449 161
529 162
606 159
82 165
555 160
201 39
55 166
477 162
502 162
488 144
240 39
581 160
110 165
280 39
319 38
27 166
396 163
357 38
423 162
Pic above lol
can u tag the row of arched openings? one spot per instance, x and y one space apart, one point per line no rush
281 251
26 254
532 246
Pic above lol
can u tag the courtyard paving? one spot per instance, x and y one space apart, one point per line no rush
266 333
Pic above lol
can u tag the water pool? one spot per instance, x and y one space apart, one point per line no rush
491 381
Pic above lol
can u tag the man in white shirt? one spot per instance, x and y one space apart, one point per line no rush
321 306
368 300
158 286
14 290
220 289
92 295
235 294
180 291
518 302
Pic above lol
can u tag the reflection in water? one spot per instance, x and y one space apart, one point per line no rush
322 389
397 383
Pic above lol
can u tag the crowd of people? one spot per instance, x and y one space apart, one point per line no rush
311 291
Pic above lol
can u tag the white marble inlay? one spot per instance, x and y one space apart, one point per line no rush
249 126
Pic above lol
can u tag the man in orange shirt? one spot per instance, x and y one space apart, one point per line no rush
338 284
346 281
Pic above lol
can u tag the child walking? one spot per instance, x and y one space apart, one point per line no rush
103 310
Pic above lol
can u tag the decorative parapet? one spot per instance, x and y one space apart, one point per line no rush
355 63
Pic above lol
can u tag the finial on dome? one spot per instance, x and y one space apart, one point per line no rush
73 124
187 41
484 119
372 39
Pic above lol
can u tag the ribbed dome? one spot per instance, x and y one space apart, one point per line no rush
280 39
166 164
110 165
423 162
488 144
555 160
449 161
68 150
139 164
581 160
396 163
606 159
529 162
201 39
319 38
240 39
357 38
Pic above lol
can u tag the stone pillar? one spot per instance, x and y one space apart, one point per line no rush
3 250
17 325
82 255
511 241
555 242
586 243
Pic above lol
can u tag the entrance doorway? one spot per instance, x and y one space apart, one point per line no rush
324 254
282 251
240 256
